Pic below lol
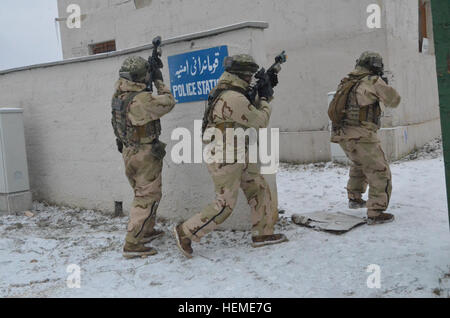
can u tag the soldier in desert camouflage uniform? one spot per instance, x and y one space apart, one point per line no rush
357 136
136 122
232 109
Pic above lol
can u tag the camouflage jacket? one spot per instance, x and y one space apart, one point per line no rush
370 90
233 110
145 107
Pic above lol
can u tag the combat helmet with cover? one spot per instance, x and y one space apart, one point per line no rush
242 65
135 69
372 61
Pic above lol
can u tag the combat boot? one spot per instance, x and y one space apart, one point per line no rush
131 250
183 242
152 236
356 204
263 240
380 219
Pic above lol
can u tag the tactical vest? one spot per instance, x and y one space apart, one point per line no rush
124 130
212 100
355 114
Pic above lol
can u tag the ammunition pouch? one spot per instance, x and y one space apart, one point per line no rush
371 113
356 114
158 149
147 133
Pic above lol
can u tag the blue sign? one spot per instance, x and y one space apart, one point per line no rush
193 75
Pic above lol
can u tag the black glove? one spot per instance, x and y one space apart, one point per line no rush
119 145
158 149
157 75
273 80
265 91
156 62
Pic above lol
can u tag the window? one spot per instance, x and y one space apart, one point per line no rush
102 47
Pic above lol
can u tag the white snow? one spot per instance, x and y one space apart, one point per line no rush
413 252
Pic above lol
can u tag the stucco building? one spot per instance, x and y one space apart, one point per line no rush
71 150
322 38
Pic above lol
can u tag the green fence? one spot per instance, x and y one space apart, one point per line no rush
441 27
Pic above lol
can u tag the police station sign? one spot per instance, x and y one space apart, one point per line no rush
193 75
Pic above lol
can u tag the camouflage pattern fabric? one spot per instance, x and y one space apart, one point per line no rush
362 146
371 90
142 167
142 124
369 167
370 59
135 68
145 107
241 64
233 110
143 171
227 181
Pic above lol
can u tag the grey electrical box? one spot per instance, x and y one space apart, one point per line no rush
15 195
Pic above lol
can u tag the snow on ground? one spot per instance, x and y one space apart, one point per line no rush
413 252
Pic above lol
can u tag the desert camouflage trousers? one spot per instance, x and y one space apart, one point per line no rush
369 167
143 171
228 178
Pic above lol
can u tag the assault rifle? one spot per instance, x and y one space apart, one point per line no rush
155 61
268 77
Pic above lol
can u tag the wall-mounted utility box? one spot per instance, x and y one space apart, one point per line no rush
15 194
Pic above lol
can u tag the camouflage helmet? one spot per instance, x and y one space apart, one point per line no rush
134 68
241 65
372 61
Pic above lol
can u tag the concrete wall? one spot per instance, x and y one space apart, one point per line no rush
323 39
416 120
71 147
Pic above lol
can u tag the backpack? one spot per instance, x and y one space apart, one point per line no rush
336 110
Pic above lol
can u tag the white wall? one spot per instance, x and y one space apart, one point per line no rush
323 39
72 155
416 120
71 146
414 72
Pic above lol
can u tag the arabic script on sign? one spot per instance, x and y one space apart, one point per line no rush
194 74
